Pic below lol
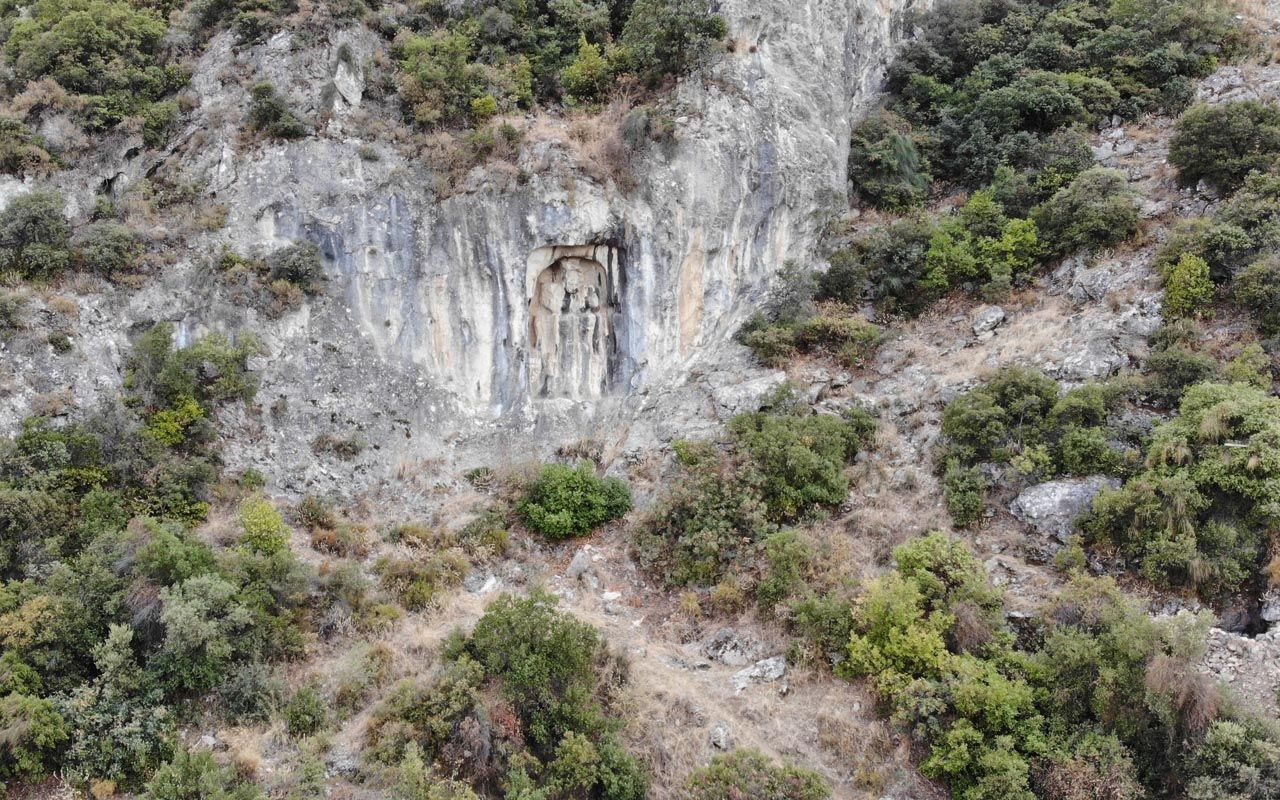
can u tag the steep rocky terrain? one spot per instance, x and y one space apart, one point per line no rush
574 297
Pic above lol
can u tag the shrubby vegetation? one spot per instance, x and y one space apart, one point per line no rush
1199 515
114 616
993 84
907 264
1021 421
545 688
563 501
110 54
717 523
459 68
270 116
886 167
1096 700
1222 144
792 323
747 773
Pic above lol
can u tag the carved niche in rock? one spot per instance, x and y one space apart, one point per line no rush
571 327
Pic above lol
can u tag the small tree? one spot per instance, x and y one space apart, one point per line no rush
1188 289
1222 144
667 37
588 78
1096 210
34 235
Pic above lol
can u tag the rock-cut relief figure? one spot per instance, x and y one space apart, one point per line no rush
569 330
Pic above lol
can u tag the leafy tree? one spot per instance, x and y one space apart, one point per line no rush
1257 289
666 38
106 248
31 735
1188 289
34 235
1221 144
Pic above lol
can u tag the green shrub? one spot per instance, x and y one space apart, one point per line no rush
1257 290
962 490
666 38
251 692
418 582
563 502
1198 516
21 151
196 776
263 529
747 773
300 264
799 459
705 525
787 556
589 77
1095 210
886 168
110 52
1188 289
307 712
13 306
1173 365
34 734
106 248
270 116
1221 144
34 235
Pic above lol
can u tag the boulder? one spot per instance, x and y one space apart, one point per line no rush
732 648
1052 508
763 671
987 320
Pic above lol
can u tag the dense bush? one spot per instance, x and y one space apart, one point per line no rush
137 616
550 723
1095 210
270 116
459 67
1222 144
301 264
980 247
34 235
1188 289
1256 289
562 501
997 84
1198 516
110 52
195 775
21 151
886 168
666 38
835 331
1020 418
1102 701
746 773
785 463
106 248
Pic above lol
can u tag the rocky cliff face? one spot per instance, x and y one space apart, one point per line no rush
437 314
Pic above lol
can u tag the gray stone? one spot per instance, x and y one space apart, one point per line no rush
763 671
988 319
732 648
1270 611
721 737
580 566
1051 508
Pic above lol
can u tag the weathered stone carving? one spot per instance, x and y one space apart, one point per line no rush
570 330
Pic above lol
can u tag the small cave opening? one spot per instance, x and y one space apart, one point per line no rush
572 339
